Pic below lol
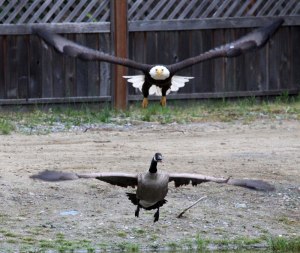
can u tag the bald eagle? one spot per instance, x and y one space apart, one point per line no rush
157 79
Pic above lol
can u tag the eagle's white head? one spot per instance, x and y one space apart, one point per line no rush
159 72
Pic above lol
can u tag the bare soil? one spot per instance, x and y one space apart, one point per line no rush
96 211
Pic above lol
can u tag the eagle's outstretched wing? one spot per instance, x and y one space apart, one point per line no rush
254 40
187 178
119 179
73 49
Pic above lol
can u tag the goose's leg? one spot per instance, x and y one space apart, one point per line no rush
137 211
156 215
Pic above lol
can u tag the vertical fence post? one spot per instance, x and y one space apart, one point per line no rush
119 35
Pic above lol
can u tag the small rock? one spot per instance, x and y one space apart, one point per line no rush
240 205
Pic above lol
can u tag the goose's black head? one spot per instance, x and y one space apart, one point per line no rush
156 158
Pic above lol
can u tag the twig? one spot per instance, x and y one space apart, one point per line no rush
181 214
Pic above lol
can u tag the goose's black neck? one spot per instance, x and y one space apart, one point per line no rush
153 166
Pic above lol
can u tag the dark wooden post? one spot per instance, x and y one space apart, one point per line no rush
120 42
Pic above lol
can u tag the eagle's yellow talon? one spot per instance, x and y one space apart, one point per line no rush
145 102
163 101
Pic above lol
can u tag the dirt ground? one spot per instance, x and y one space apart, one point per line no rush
96 211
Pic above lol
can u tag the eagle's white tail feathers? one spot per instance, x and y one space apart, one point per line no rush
177 82
155 90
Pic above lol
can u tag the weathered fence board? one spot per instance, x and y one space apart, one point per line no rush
242 68
22 49
93 82
58 74
70 72
278 66
2 67
218 64
295 61
47 69
230 65
35 68
105 68
12 64
81 71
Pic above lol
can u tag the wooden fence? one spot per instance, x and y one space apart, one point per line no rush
160 31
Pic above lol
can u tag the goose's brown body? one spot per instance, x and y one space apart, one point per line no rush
152 188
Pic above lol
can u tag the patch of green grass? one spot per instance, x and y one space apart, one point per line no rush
139 232
243 109
12 241
127 247
28 240
282 244
3 219
246 241
10 234
122 234
6 127
200 243
173 246
287 221
154 237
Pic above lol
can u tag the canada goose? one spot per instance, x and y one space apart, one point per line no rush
152 187
158 79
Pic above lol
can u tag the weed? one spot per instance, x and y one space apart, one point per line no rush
105 115
188 244
200 243
282 244
286 220
173 246
122 234
6 127
283 98
128 247
28 240
139 232
12 241
154 237
10 234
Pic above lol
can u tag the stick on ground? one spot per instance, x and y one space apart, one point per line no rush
181 214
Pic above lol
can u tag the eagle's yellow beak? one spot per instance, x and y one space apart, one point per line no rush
159 72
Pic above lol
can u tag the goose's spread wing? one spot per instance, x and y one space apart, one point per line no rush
73 49
120 179
114 178
195 179
186 178
253 40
